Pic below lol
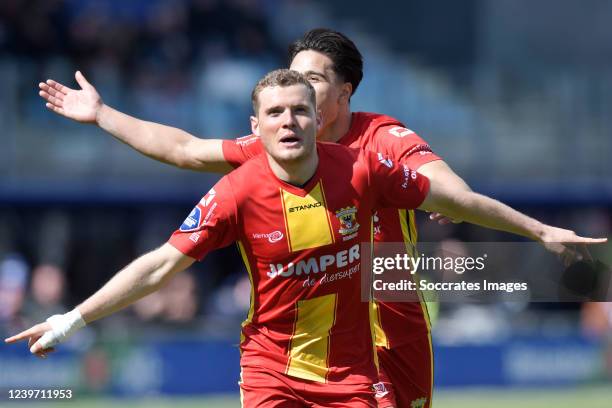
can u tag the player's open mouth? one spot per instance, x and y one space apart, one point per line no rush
290 141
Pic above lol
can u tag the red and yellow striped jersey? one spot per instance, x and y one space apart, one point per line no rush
397 323
301 247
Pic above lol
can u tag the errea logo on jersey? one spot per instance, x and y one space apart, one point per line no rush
399 131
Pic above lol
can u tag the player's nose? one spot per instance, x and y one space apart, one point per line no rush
288 119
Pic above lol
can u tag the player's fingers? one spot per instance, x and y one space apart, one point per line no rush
444 221
44 353
32 340
82 81
32 331
44 87
585 252
37 348
555 248
571 255
45 95
59 87
589 241
51 99
56 93
55 109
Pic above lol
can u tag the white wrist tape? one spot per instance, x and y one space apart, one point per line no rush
62 327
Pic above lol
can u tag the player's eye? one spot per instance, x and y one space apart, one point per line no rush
274 112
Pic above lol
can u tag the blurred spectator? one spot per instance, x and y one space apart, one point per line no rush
177 302
13 282
230 303
47 293
181 298
597 324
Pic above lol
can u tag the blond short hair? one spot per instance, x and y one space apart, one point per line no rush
282 78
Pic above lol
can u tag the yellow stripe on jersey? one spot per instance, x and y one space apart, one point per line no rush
376 331
309 348
306 219
252 301
408 224
414 236
409 231
406 219
380 338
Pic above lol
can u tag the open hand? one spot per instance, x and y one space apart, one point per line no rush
81 105
569 246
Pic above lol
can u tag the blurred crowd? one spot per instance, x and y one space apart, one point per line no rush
154 42
161 58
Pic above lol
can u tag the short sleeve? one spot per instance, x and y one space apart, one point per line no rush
210 225
395 184
238 151
399 142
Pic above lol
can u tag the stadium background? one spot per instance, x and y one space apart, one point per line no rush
515 95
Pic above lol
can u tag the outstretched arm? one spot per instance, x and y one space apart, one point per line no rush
440 172
143 276
487 212
163 143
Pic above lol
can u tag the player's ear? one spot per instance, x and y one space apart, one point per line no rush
345 92
319 118
255 125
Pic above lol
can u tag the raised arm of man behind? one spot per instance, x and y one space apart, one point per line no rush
163 143
140 278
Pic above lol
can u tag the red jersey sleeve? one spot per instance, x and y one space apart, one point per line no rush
395 184
242 149
402 143
210 225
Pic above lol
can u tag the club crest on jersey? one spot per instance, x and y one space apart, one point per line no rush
192 222
348 221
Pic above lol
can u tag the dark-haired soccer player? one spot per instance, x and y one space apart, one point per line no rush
333 65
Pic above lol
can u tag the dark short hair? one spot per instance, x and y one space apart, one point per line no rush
347 60
282 78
